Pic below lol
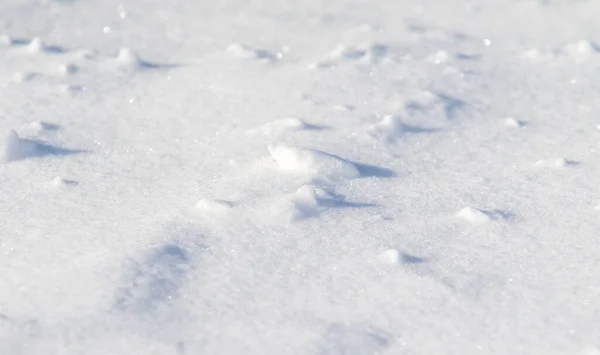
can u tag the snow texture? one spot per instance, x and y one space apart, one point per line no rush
343 177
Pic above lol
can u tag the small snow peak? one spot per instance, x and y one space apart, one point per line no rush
581 49
475 216
127 57
23 76
5 40
439 57
36 45
61 182
391 256
68 68
512 123
343 108
207 205
389 128
240 51
15 148
553 163
312 161
287 124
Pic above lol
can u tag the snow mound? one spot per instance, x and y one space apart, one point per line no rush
279 126
343 108
127 58
16 148
553 163
512 123
581 49
475 216
68 68
307 202
62 182
241 51
23 76
207 205
439 57
365 53
36 46
312 161
389 129
391 256
5 40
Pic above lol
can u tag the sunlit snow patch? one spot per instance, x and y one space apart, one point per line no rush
439 57
365 53
475 216
36 45
61 182
16 148
581 49
5 40
23 76
288 124
210 206
343 108
305 202
309 201
389 129
553 163
127 58
512 123
241 51
68 68
396 257
391 256
312 161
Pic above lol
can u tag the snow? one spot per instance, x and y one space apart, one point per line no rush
299 177
312 161
17 148
476 216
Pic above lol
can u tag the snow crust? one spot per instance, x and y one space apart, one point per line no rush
299 177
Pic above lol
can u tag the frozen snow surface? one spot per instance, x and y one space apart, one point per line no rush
343 177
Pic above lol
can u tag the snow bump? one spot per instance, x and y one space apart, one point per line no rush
62 182
16 148
241 51
581 49
476 216
36 46
312 161
553 163
512 123
391 256
287 124
127 58
207 205
389 129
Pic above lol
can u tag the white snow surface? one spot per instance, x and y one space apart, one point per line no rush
341 177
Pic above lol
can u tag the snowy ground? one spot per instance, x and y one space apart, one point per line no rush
343 177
